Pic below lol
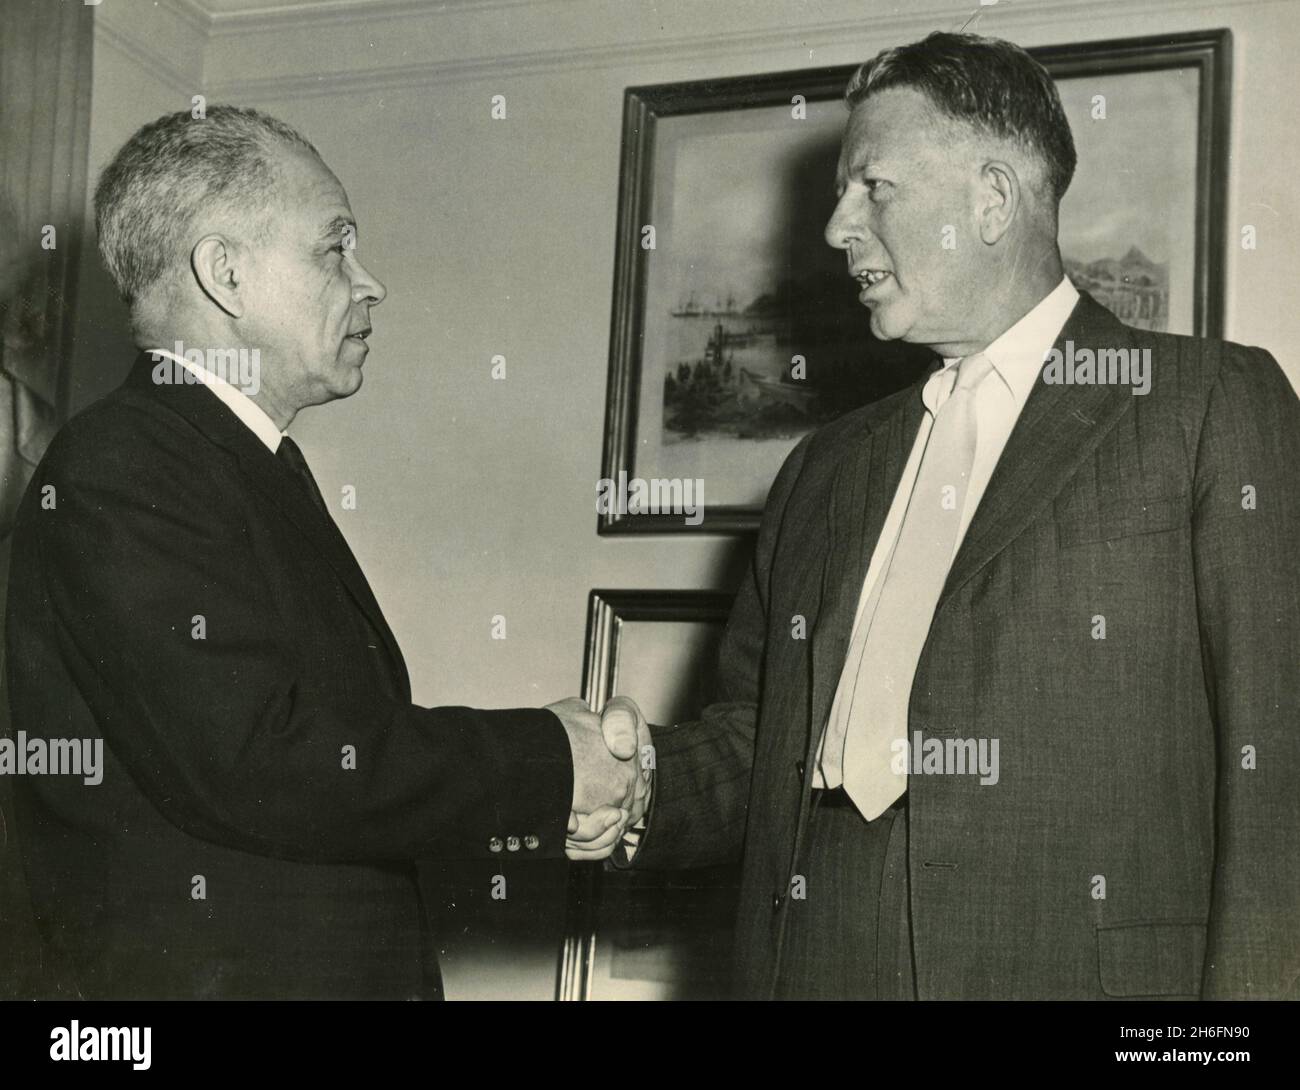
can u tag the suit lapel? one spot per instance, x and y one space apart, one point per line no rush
1058 428
860 496
265 473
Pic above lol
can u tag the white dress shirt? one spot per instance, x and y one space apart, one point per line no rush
238 402
1017 357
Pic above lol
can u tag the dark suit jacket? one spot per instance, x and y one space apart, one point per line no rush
225 755
1120 758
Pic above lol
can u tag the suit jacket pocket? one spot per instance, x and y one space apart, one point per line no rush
1149 959
1142 517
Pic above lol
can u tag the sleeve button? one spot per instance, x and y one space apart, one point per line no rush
532 843
512 844
496 844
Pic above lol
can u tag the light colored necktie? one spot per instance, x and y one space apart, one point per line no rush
896 618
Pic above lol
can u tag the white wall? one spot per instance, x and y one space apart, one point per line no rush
476 497
498 237
148 61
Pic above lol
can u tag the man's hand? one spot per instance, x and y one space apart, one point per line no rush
594 834
627 736
600 779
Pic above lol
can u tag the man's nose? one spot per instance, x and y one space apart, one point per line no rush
844 225
367 288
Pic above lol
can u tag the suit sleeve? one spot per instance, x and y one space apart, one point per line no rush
225 734
700 798
1246 527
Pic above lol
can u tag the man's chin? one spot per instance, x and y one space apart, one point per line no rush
883 329
344 381
352 382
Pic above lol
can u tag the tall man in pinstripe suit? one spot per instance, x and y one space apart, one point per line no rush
1041 740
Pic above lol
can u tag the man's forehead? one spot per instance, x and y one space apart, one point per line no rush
898 109
888 122
314 192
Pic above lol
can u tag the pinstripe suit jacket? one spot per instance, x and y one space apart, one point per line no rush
1160 760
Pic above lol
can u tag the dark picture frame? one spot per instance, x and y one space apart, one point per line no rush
647 112
610 614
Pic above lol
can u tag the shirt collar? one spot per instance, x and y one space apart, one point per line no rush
238 402
1017 355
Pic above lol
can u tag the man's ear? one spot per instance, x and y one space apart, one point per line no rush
218 270
999 200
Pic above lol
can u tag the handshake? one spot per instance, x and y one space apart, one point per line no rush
612 759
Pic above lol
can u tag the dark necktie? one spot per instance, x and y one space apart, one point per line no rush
292 458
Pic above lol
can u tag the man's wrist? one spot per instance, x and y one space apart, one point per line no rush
634 836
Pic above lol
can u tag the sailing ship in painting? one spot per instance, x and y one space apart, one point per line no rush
750 397
748 371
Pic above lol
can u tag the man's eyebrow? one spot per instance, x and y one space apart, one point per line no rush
337 226
863 163
845 172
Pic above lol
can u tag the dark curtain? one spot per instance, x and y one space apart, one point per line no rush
45 77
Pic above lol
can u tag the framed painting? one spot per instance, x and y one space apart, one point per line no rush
735 330
661 935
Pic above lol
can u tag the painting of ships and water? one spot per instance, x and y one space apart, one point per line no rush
752 333
740 372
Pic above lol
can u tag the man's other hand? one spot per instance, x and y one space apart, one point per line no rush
595 834
600 779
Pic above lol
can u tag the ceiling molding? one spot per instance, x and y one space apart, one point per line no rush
191 12
147 53
801 45
434 72
299 15
325 12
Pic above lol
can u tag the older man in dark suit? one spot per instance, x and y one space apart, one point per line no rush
181 600
1043 736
